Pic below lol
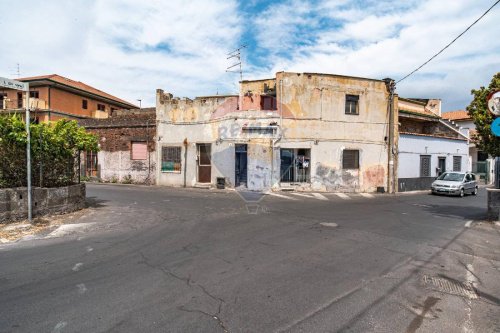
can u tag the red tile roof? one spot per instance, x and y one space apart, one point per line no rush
456 115
76 84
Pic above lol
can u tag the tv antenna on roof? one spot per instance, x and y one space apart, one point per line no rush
17 71
237 55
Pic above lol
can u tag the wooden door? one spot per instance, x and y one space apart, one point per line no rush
204 163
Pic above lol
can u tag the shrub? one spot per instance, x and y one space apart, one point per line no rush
127 179
55 149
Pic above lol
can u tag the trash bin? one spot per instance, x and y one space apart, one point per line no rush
221 183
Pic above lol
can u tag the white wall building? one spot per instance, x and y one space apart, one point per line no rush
479 162
428 145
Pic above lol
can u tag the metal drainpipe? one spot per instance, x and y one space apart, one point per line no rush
281 103
185 160
149 153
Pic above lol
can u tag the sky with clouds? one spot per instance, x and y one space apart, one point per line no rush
130 48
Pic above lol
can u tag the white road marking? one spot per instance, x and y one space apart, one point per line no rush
329 224
468 224
302 195
89 249
280 196
343 196
471 278
60 325
68 228
81 288
367 195
77 267
420 205
319 196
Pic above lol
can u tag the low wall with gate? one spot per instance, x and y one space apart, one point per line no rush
56 200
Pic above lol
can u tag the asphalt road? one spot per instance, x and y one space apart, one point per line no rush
152 259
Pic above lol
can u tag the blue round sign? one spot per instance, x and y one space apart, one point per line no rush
495 127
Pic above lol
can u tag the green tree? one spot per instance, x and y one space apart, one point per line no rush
482 117
54 151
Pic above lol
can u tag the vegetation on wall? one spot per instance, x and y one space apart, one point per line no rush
55 149
482 117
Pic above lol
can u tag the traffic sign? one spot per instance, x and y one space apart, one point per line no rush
494 103
495 127
13 84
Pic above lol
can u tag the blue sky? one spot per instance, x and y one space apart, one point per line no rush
130 48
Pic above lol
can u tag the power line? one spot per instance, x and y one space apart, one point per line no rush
453 41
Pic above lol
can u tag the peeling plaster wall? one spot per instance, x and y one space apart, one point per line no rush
118 166
313 117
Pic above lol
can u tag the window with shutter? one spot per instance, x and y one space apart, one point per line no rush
350 159
139 150
457 163
425 166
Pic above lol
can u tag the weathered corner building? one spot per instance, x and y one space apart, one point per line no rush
127 147
304 131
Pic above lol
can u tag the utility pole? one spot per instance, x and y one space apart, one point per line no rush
140 103
391 87
28 152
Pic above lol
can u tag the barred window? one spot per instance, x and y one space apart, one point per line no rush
351 104
457 163
350 159
425 165
171 159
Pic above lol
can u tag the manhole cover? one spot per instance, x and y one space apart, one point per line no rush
450 286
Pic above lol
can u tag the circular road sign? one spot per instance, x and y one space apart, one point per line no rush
494 103
495 127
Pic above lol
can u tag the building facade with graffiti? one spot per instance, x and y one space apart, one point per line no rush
301 131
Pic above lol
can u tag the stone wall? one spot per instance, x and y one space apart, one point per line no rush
493 204
56 200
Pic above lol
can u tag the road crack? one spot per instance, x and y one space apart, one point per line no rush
190 283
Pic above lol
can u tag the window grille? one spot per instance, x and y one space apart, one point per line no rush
425 166
350 159
171 159
457 163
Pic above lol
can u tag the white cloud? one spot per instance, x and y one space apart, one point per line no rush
127 48
390 42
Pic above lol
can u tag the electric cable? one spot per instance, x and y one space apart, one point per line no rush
453 41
